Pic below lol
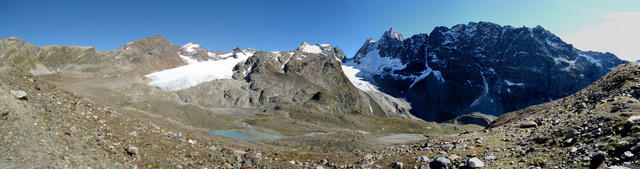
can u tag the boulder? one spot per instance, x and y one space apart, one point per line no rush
367 160
628 154
19 94
253 155
572 133
529 124
440 162
622 144
633 120
131 150
397 165
423 159
598 160
475 163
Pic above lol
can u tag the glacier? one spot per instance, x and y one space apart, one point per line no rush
196 72
361 84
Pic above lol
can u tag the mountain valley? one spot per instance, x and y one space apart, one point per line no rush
476 95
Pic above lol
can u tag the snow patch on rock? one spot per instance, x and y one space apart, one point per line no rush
426 72
509 83
485 91
591 59
372 62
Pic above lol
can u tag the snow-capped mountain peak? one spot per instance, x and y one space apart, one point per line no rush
190 47
307 48
194 52
325 49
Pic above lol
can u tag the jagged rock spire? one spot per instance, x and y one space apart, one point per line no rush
392 34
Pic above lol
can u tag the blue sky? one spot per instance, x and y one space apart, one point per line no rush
283 25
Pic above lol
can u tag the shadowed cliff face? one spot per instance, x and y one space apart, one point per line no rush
478 67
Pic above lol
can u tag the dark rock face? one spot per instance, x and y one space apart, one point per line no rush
478 67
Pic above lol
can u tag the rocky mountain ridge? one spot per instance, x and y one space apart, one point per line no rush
477 67
48 59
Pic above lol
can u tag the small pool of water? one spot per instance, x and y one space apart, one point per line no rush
245 134
402 138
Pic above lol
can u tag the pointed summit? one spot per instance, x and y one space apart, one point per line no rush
154 41
156 37
304 43
392 34
540 29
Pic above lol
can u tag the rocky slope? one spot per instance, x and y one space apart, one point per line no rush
597 124
478 67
